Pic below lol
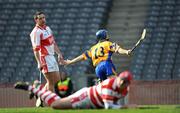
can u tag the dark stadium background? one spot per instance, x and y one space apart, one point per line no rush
155 63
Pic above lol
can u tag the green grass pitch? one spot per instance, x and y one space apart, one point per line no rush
144 109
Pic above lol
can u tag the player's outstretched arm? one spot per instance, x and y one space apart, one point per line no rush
120 50
124 51
77 59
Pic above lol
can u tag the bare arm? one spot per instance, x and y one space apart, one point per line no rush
58 52
77 59
37 57
120 50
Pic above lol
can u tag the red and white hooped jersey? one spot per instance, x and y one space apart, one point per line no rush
106 92
42 40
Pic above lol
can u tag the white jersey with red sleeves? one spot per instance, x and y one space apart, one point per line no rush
42 40
106 92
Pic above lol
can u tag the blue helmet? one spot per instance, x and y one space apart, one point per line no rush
102 34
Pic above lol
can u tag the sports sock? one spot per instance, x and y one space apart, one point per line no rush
47 96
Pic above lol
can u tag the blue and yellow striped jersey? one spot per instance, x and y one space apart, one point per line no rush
100 52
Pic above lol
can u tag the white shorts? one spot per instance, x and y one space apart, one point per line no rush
49 64
81 100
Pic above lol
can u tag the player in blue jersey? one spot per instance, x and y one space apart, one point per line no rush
101 55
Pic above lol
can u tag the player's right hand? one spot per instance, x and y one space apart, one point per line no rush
129 52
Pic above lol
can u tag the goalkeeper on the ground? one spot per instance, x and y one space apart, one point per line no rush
104 95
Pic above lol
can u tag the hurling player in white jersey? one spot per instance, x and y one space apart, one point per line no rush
104 95
44 47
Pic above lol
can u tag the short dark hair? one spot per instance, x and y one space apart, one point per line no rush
37 13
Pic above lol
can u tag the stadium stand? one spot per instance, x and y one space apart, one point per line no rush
74 23
125 25
155 63
158 55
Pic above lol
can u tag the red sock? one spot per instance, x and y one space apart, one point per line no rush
47 96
